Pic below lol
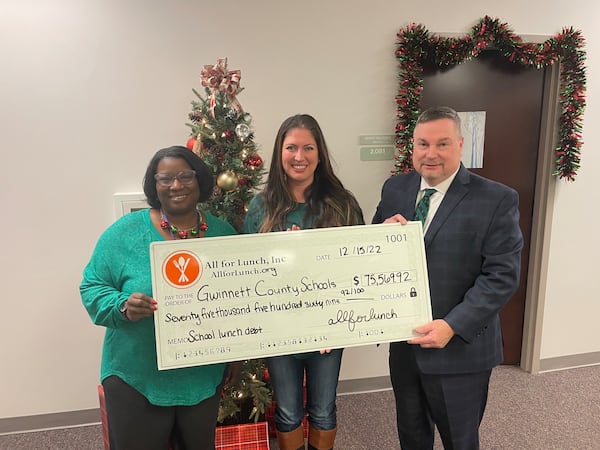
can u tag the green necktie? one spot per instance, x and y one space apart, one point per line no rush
423 206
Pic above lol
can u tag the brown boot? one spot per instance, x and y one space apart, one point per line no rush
292 440
320 439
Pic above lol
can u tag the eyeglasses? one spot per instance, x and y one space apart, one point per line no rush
185 177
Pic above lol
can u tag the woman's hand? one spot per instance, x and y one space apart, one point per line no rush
396 218
139 306
327 350
294 228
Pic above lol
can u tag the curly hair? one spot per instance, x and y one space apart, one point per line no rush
203 174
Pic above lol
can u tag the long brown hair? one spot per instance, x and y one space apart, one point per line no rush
327 200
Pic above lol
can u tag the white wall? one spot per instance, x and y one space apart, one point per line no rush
89 90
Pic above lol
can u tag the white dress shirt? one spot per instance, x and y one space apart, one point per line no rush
436 199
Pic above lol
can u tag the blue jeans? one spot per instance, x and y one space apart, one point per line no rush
287 376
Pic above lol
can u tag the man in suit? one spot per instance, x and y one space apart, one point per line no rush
473 246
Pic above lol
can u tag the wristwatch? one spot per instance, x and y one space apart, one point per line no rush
123 310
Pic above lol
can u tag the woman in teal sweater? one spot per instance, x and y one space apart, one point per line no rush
303 192
147 407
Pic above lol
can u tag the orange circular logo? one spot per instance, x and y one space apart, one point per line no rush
182 269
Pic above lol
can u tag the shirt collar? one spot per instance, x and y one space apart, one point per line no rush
441 187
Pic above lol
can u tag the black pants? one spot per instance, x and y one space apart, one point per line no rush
455 403
134 423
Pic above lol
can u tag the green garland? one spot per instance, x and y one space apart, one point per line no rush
416 46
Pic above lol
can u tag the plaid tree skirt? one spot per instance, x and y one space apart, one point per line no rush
250 436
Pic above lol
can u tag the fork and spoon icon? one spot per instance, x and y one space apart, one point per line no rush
181 265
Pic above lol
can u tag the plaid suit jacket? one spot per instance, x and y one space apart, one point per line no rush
473 249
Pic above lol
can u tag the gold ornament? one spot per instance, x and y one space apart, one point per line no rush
227 180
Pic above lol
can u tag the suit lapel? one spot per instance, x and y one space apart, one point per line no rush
408 208
458 189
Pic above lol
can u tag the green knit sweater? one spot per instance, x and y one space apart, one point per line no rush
257 212
120 266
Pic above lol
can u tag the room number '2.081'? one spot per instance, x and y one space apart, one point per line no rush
371 249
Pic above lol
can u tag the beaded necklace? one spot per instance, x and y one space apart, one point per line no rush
197 231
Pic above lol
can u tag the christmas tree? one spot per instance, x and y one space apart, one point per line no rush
222 137
248 399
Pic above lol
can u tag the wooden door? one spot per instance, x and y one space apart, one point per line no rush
512 97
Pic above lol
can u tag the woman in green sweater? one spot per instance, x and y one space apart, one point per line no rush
302 192
146 408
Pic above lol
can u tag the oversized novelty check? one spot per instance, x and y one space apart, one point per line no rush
252 296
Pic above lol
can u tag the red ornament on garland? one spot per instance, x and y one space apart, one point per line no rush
190 143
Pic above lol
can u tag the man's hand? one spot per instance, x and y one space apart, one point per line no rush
435 334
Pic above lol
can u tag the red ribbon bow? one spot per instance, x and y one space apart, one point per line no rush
218 78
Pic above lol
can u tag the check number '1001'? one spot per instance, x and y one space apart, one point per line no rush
393 238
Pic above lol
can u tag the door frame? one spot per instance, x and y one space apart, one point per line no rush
541 227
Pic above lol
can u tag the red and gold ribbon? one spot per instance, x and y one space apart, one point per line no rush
218 78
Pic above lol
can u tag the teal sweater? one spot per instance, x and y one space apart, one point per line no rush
257 211
120 266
